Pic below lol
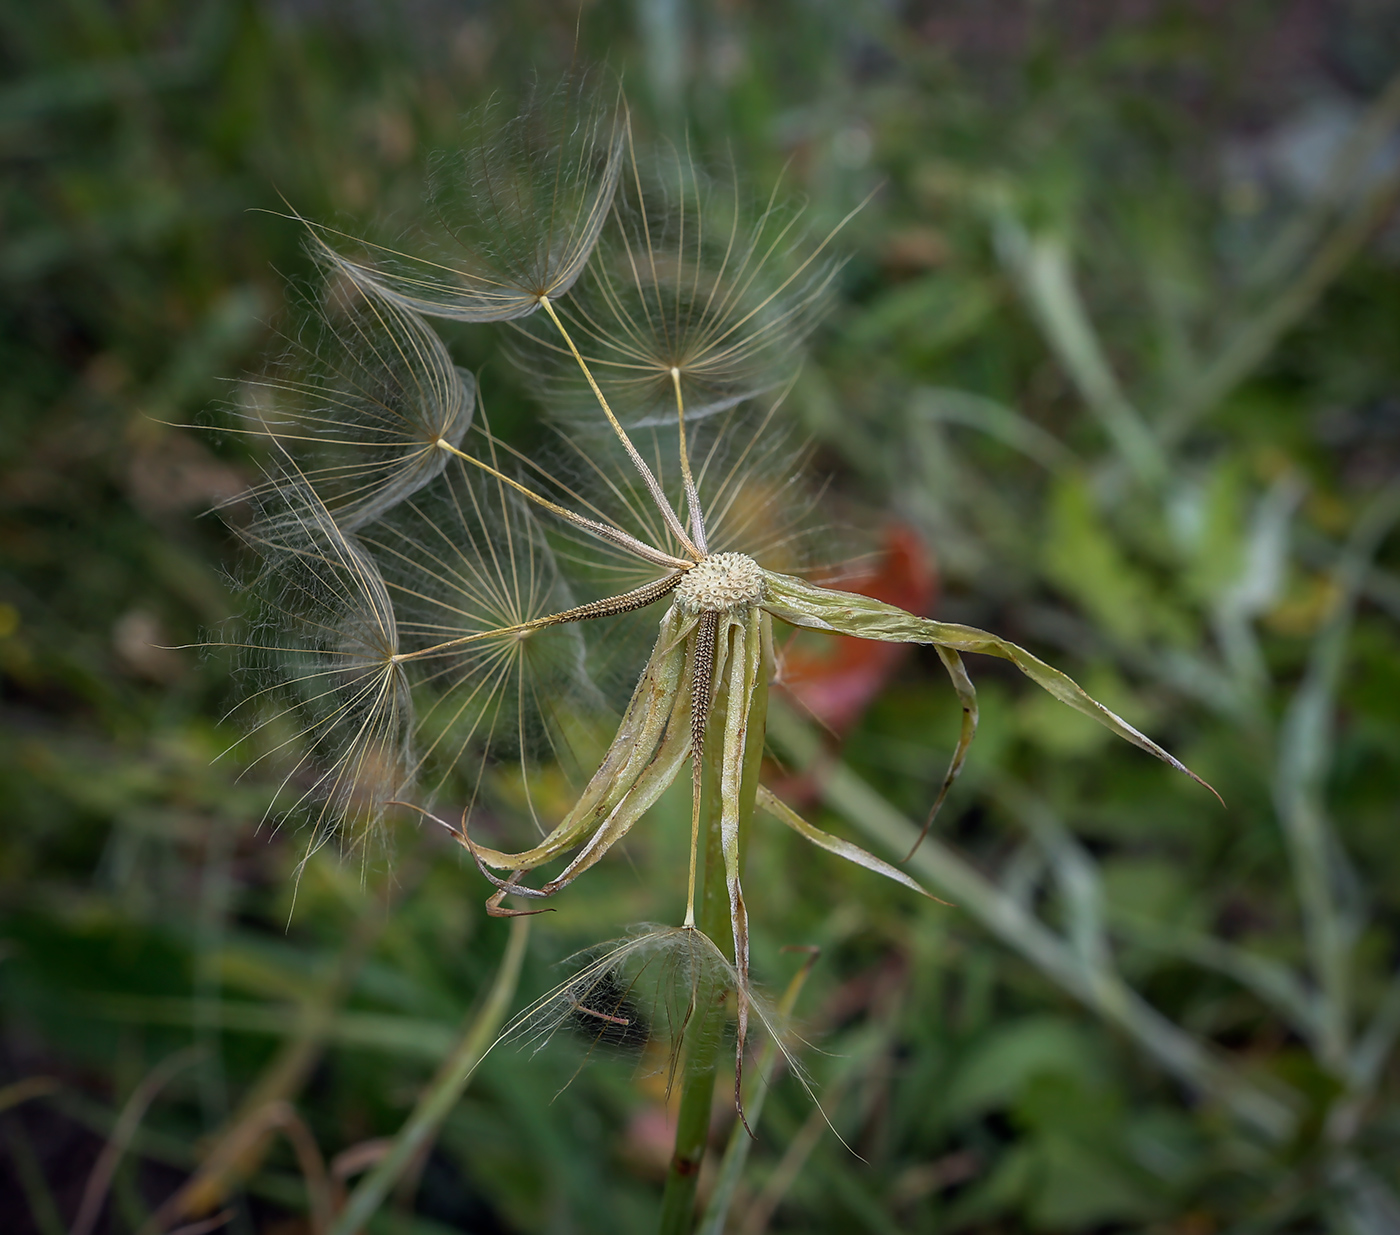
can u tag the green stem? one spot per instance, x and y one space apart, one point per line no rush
442 1094
705 1033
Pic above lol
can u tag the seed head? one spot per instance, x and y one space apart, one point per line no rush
451 621
720 583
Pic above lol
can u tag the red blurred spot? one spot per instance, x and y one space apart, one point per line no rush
835 677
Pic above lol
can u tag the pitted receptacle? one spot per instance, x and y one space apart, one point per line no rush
720 583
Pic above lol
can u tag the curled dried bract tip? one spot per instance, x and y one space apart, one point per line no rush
519 207
494 907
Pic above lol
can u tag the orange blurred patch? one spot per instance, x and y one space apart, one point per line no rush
835 677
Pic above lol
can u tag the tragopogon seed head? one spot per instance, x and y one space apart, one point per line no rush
450 593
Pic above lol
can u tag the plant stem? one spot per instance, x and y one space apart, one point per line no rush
705 1033
443 1092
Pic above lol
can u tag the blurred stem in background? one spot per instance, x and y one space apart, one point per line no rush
442 1093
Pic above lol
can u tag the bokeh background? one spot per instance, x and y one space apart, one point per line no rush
1112 370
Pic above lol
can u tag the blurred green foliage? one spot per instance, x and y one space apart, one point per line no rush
1131 378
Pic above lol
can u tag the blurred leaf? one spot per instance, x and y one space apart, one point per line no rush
1000 1066
924 317
1086 563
